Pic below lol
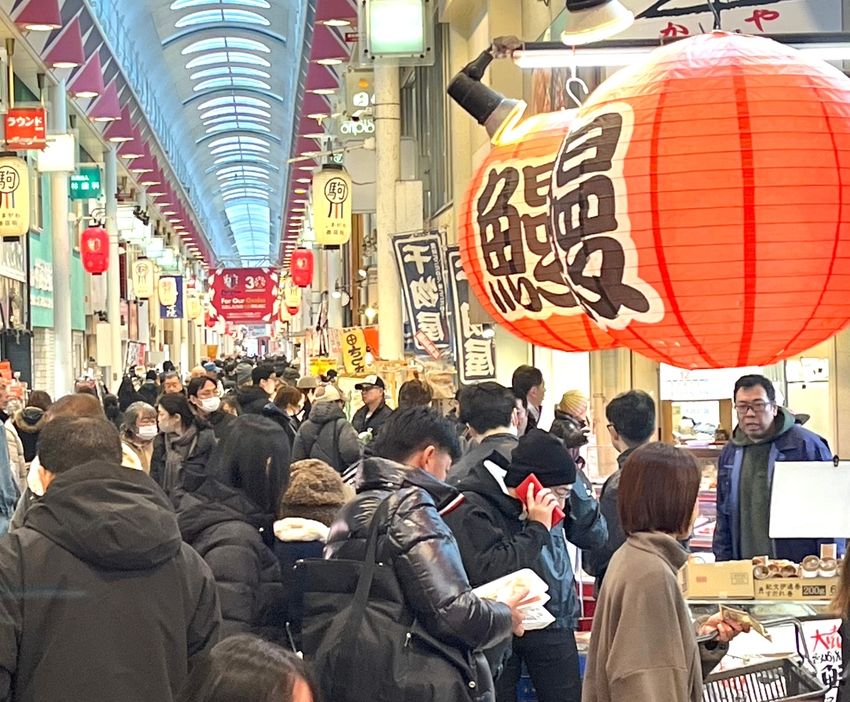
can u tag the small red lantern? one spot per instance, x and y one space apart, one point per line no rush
94 248
301 267
506 243
699 203
293 310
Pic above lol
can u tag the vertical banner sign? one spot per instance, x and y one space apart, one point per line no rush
420 267
475 355
26 128
14 197
354 350
174 292
143 278
244 295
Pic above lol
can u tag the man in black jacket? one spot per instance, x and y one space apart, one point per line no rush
490 412
100 599
498 535
206 404
527 382
411 459
375 412
631 423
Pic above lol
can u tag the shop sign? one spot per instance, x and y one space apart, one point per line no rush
354 350
332 206
41 284
823 641
135 354
244 295
59 156
26 128
668 19
14 197
475 355
358 127
85 185
171 297
420 265
143 278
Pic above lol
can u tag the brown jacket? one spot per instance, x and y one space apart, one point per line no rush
643 647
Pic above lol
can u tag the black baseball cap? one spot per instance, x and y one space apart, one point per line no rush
371 381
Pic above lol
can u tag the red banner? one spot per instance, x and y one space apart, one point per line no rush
26 128
244 295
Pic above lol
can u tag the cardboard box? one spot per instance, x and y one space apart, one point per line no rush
731 580
796 589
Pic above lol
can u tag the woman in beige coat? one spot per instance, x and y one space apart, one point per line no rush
643 647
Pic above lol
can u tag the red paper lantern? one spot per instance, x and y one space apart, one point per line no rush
506 244
301 267
94 248
293 309
699 202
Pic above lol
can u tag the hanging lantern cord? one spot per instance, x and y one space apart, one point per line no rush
716 12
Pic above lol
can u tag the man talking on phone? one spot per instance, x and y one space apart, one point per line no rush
499 530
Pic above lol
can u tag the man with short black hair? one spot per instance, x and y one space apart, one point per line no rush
206 404
766 433
528 382
489 410
409 464
253 397
109 537
631 423
375 411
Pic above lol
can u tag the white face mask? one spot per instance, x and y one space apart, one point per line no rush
147 433
211 404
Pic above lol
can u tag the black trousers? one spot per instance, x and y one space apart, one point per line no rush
551 658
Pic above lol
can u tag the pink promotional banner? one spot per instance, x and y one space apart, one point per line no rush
243 295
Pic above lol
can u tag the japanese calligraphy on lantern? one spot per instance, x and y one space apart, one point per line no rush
678 18
171 297
14 197
824 643
420 266
244 295
26 128
590 221
332 206
475 355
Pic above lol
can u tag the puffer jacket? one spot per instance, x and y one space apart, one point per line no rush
229 532
198 463
415 540
28 423
328 436
252 399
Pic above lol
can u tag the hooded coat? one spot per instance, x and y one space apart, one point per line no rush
252 399
229 532
100 599
328 436
415 540
28 423
197 462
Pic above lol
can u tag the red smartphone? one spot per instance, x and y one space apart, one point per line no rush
522 493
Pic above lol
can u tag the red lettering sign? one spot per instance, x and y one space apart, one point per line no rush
244 295
26 128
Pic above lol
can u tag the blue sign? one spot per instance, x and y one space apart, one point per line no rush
420 265
174 311
475 353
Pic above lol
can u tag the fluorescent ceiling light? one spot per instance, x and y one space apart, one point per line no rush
323 91
329 62
550 55
337 23
318 115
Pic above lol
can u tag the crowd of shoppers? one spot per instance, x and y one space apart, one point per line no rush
179 537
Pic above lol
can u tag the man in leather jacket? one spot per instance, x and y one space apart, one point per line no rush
408 466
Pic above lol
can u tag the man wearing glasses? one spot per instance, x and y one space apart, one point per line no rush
766 433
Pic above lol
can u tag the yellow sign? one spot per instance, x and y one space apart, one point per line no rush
194 307
167 292
143 278
332 206
14 197
320 366
354 350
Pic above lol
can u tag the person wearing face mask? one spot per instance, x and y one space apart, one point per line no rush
184 445
206 404
138 431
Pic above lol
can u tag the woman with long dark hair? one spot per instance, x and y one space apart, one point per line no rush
183 446
228 519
